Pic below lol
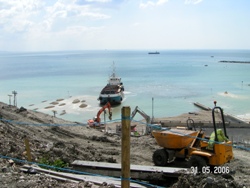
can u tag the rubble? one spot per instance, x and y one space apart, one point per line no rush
206 181
51 144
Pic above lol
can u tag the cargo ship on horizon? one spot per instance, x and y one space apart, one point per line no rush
154 52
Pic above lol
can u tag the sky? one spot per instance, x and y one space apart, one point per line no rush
55 25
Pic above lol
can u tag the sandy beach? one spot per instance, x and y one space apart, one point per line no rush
201 118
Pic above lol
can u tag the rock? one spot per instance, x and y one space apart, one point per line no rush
76 101
227 176
49 107
31 171
83 105
54 103
5 169
210 180
22 109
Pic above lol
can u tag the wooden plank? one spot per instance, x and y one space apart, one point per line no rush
99 180
146 173
117 166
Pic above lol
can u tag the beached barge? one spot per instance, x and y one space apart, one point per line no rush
113 91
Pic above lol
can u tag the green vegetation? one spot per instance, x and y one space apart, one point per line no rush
45 161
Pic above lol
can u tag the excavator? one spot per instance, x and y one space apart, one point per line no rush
193 147
149 126
146 117
96 121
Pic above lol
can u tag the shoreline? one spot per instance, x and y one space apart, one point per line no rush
202 114
203 118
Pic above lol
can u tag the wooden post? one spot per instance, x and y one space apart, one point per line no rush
27 145
126 147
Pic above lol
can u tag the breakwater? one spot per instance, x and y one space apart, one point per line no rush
223 61
203 107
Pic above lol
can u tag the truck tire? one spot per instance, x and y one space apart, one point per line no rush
197 161
160 157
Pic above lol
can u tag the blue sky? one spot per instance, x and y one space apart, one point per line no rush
48 25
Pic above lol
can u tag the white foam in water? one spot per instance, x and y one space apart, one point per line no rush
245 117
231 95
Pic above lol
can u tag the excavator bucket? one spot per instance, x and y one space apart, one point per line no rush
110 115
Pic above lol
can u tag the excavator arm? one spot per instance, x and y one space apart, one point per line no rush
108 106
143 114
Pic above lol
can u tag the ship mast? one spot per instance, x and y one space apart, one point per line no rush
113 73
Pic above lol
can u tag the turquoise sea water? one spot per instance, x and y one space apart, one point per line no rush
174 79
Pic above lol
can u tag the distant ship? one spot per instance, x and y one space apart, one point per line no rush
154 52
113 91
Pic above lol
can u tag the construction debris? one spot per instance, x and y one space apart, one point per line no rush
52 144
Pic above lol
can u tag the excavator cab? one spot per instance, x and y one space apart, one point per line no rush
96 121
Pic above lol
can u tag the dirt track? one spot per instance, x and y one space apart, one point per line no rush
75 142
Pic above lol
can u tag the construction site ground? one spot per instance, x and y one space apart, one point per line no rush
53 139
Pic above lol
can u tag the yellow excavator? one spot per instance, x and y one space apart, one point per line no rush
193 146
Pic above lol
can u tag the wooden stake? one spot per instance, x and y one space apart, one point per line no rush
27 145
125 147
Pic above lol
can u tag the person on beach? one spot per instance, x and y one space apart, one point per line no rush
221 138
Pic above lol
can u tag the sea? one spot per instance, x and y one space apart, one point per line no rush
161 85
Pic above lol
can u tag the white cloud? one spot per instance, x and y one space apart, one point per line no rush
95 15
192 1
91 24
25 15
18 15
72 10
99 1
161 2
35 21
152 3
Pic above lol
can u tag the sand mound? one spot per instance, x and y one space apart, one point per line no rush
83 105
49 107
63 112
54 103
76 101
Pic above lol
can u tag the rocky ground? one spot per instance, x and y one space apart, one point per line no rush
53 144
